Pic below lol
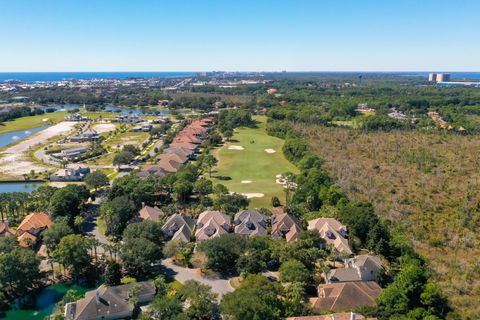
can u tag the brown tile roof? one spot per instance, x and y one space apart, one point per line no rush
285 226
211 224
23 239
333 232
5 229
346 295
151 170
169 165
150 213
172 156
186 145
35 221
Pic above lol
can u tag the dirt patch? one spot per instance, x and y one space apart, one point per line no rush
104 127
14 160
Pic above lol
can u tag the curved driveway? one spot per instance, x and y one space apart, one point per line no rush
219 285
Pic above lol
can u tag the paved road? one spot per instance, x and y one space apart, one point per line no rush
219 286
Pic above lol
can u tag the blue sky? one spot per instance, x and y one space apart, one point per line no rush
246 35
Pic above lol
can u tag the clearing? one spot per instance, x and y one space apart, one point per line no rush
253 164
25 123
14 161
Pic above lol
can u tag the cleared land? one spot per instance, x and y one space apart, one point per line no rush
428 183
26 123
253 164
15 161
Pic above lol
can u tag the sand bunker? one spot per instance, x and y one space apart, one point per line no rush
246 181
236 148
104 127
253 195
270 151
45 119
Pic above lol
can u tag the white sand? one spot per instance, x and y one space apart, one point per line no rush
45 119
246 181
235 148
104 127
14 161
280 181
270 151
253 195
278 176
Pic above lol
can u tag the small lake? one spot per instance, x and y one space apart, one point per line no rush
44 303
19 186
11 137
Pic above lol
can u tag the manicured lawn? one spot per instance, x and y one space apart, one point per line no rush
26 123
253 164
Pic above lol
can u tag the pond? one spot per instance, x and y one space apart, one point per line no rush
44 303
11 137
19 186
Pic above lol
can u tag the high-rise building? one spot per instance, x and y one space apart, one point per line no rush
439 77
443 77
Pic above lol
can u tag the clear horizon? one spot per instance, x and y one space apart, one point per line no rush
266 36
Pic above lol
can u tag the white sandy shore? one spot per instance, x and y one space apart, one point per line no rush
13 160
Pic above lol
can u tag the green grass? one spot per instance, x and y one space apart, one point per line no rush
30 122
254 164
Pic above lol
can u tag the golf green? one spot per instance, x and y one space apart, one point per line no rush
253 159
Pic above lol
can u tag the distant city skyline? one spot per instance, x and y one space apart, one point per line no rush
308 35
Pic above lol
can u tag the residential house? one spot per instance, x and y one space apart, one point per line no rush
75 172
86 136
179 227
169 166
5 230
212 224
133 118
172 156
151 170
333 232
334 316
285 226
358 268
145 127
186 145
72 153
151 213
346 295
109 302
250 223
75 117
31 227
180 151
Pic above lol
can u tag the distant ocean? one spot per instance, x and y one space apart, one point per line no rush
453 75
58 76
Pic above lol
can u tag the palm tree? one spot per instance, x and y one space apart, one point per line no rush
289 185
